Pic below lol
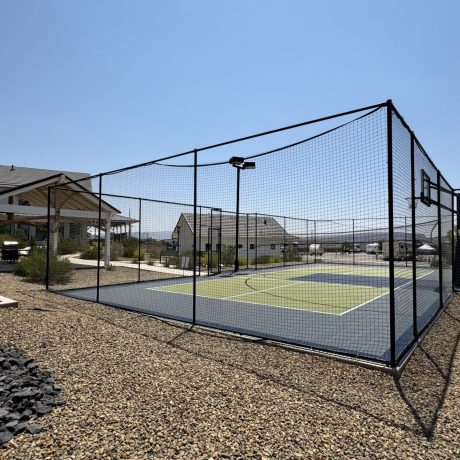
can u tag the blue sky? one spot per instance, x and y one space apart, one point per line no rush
94 86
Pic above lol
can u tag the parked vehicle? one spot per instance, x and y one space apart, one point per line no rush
315 250
401 250
373 248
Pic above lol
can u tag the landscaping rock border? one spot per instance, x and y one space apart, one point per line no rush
26 393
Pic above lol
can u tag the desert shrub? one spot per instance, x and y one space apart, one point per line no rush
130 247
66 246
33 268
207 260
269 259
91 253
292 255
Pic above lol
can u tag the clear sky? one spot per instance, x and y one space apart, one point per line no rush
96 85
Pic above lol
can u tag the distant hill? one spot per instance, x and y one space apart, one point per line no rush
159 235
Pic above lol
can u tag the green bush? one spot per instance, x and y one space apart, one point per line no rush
136 258
91 253
33 268
292 255
130 247
207 260
66 246
269 259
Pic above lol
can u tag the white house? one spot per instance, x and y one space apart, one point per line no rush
258 236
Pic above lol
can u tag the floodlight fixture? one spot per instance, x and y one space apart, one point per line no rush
236 161
249 165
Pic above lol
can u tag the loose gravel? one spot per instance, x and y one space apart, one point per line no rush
139 387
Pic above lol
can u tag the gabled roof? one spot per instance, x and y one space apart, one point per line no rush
13 176
266 226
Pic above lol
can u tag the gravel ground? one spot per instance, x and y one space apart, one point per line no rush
139 387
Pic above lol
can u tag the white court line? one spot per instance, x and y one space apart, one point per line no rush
257 291
162 289
386 293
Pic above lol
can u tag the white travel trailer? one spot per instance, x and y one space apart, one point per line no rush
372 248
401 250
315 250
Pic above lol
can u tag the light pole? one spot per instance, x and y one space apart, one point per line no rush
239 163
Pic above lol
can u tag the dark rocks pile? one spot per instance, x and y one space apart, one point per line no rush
26 393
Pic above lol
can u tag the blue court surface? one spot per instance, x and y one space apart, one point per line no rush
343 309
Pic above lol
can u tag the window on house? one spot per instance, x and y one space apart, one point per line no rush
273 246
252 246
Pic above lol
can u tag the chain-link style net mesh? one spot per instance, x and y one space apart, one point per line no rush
291 244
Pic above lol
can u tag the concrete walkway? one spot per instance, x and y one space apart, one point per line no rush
143 266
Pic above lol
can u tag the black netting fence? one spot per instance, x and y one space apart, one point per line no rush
342 240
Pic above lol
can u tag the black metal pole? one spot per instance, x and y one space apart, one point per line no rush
353 240
455 242
405 238
441 303
139 243
414 241
98 270
308 246
284 241
210 232
247 241
195 196
199 245
48 239
237 262
256 242
391 234
314 239
219 254
452 205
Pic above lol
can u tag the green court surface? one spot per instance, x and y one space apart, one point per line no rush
326 289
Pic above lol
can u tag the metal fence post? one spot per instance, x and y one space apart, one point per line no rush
413 236
98 270
284 242
452 205
247 240
139 243
255 247
391 233
353 241
438 182
48 239
195 206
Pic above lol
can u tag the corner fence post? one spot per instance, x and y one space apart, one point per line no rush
413 236
452 207
195 207
438 199
455 235
48 239
98 270
391 233
139 243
